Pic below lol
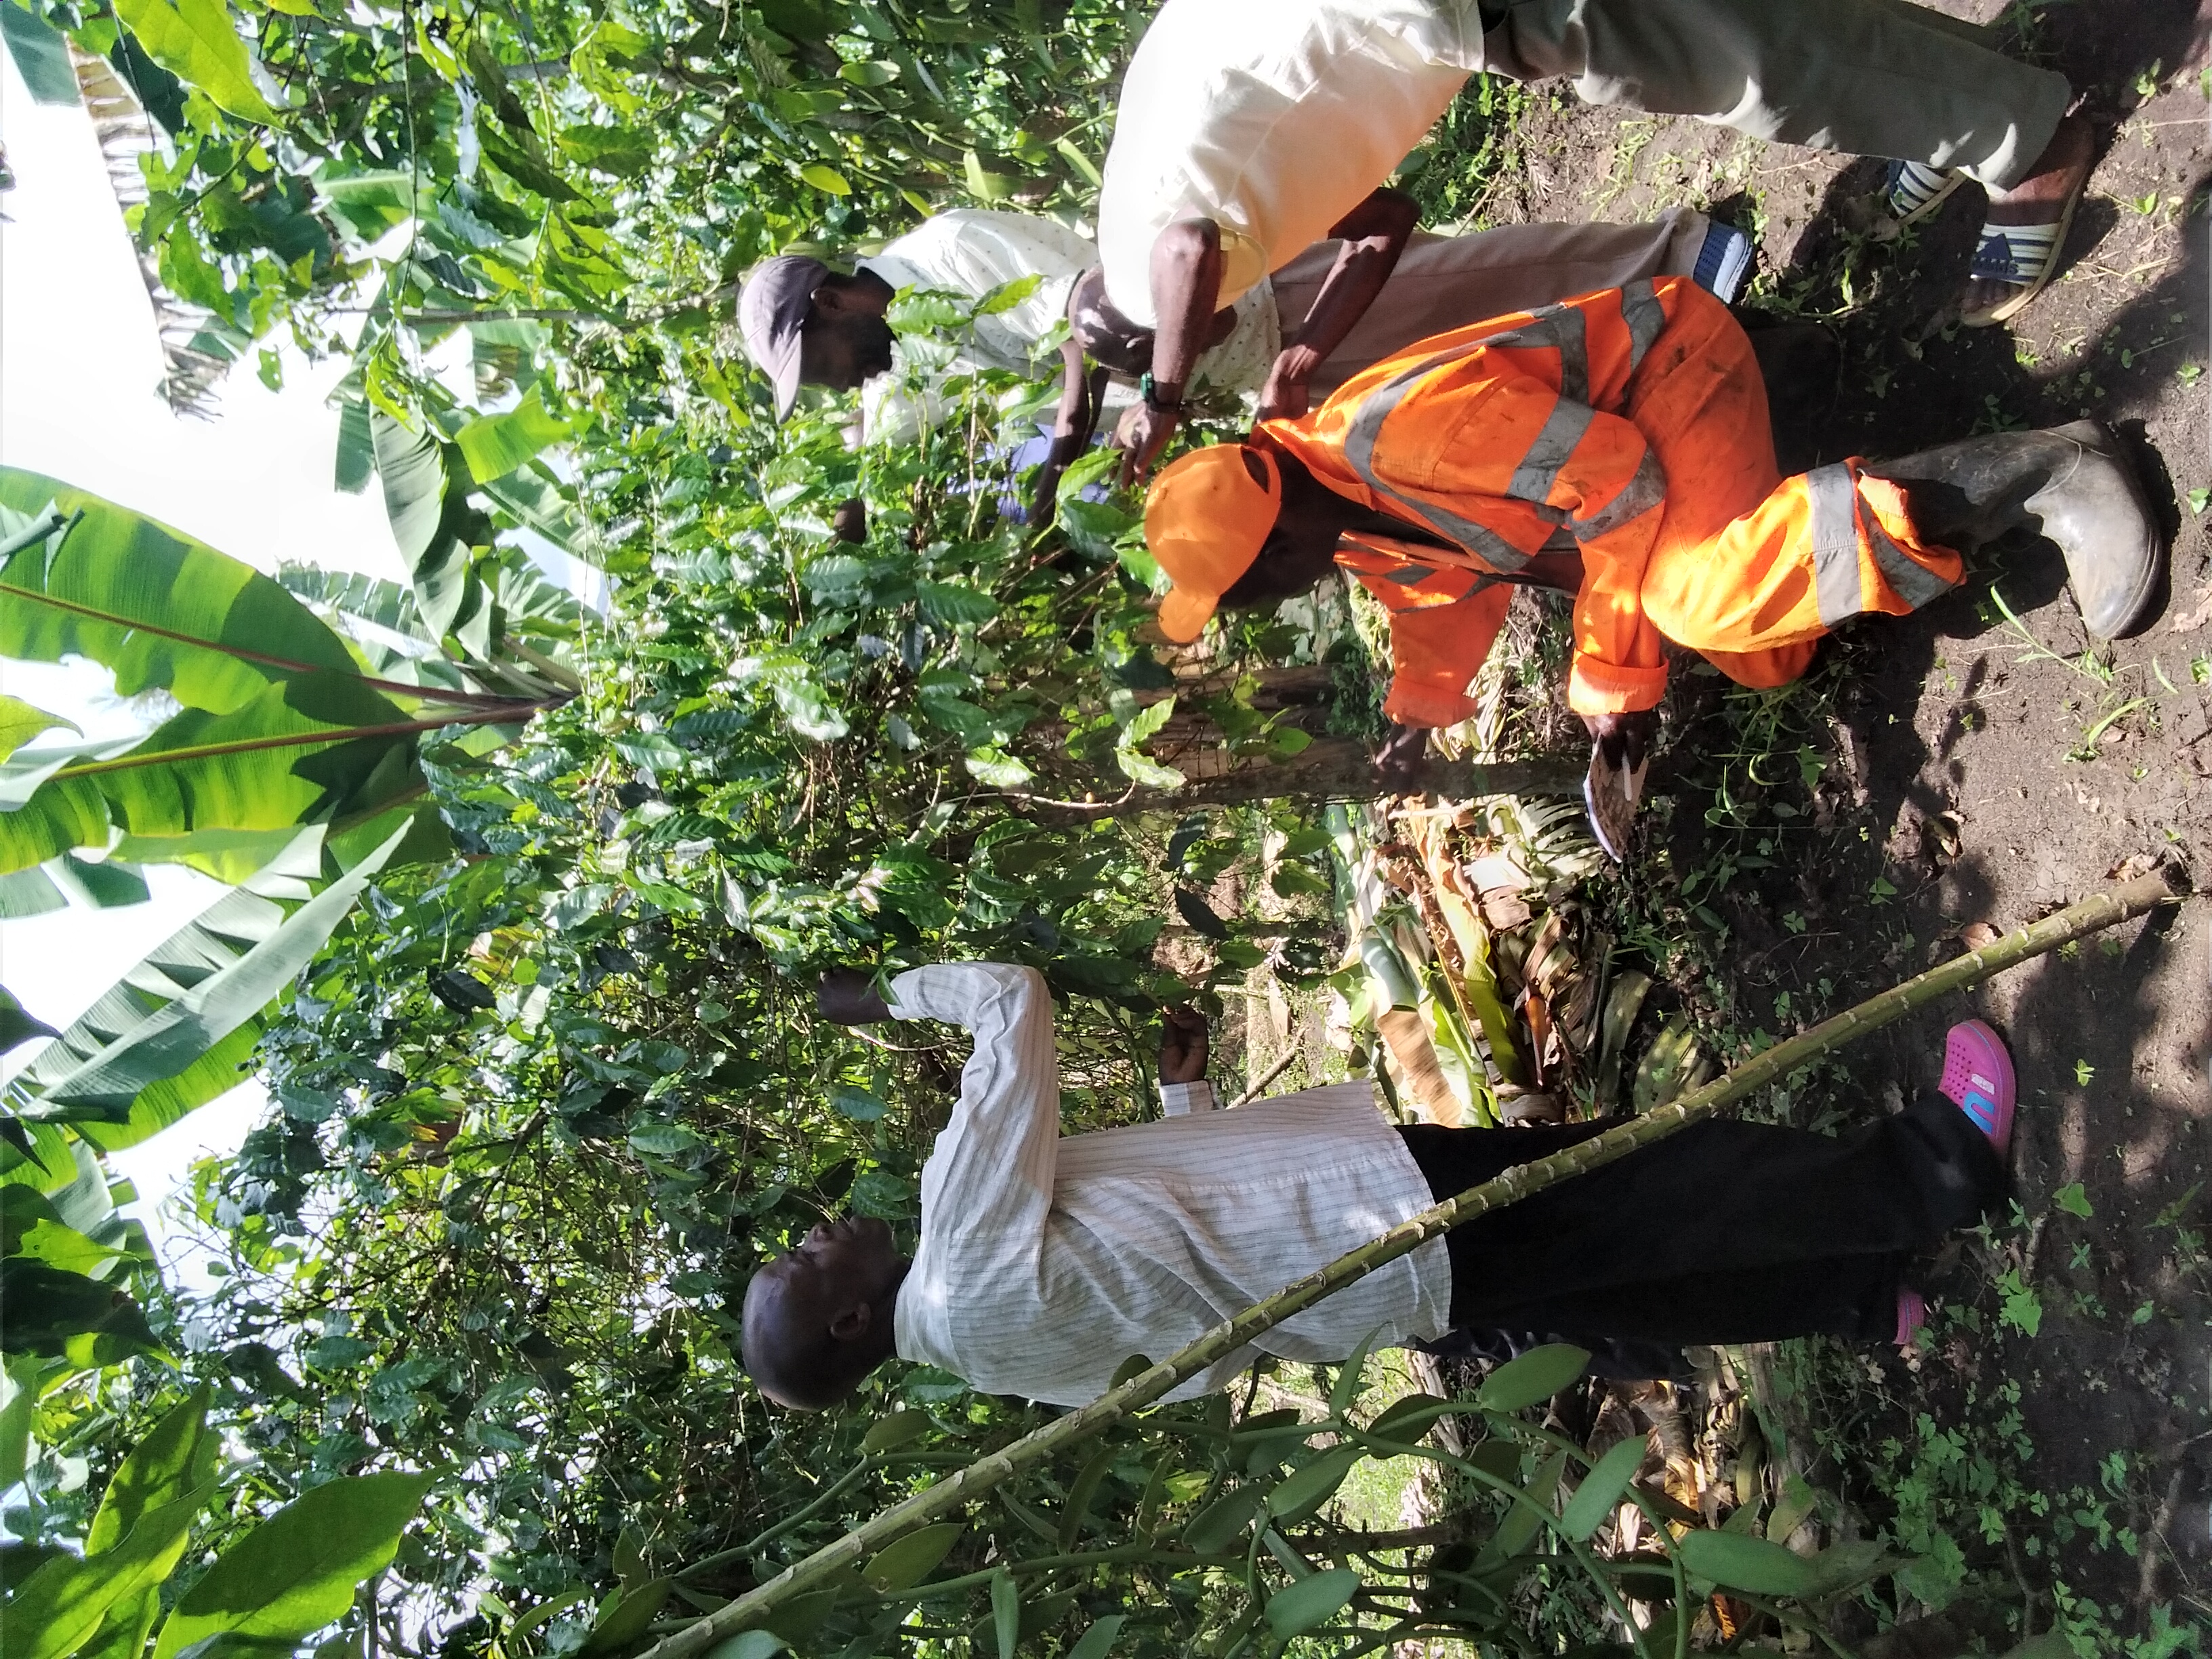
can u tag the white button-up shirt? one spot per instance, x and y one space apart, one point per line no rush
1046 1261
1274 119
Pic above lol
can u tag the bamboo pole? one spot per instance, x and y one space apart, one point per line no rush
752 1609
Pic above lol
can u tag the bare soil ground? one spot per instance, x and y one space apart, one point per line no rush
1958 767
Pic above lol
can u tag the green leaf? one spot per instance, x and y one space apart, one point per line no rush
428 519
1096 1642
1298 1494
197 41
108 1060
29 893
623 1622
41 55
1522 1523
495 445
1005 1611
905 1563
1600 1491
825 179
1739 1562
59 1607
17 1027
118 573
19 721
50 1311
2074 1198
1225 1520
859 1104
945 603
1312 1601
298 1569
20 1384
1535 1376
868 75
984 184
176 1456
888 1433
1007 295
1409 1418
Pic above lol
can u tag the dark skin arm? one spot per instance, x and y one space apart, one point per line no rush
1375 234
847 996
1182 1045
1186 284
1082 393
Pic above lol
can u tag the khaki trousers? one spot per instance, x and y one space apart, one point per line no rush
1445 283
1872 77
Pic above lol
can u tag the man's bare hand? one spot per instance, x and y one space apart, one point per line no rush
1284 396
1182 1045
847 996
1143 433
1625 740
1403 756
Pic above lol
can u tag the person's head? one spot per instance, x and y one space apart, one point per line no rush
806 324
1104 333
818 1319
1237 524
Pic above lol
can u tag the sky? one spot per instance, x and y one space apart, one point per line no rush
79 363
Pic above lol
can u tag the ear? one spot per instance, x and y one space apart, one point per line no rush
830 300
850 1324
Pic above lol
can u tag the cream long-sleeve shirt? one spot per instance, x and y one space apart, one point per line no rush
1046 1260
1274 119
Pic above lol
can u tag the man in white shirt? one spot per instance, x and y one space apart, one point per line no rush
1045 1261
1247 130
804 323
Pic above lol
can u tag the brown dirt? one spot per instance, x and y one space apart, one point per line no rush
1961 770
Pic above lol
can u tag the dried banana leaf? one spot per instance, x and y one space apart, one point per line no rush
1407 1033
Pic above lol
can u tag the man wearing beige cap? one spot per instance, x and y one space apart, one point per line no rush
807 324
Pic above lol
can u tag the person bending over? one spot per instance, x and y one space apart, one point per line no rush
1248 130
1044 1260
1617 447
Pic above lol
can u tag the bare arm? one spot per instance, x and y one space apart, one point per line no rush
1186 287
1081 392
1375 234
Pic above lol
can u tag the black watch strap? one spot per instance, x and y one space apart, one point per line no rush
1149 389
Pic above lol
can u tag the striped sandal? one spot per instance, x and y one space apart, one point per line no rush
1977 1079
2023 256
1911 191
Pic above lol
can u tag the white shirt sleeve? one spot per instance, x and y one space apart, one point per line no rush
1179 1099
988 1185
970 252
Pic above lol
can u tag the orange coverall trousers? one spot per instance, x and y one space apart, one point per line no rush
1634 421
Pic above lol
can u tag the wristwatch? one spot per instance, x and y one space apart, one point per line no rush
1149 389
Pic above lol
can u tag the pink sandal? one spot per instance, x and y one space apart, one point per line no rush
1911 1314
1977 1079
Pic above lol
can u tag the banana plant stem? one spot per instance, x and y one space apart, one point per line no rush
757 1607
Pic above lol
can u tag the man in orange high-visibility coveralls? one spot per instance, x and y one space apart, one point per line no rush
1617 446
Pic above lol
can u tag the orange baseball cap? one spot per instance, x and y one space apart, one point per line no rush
1206 520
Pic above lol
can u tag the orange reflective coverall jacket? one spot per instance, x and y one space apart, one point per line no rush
1632 421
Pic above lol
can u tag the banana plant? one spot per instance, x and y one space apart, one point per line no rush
280 721
291 1574
289 768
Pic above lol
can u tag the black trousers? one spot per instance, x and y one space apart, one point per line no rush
1726 1232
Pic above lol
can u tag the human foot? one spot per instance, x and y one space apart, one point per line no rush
1912 191
1977 1079
2024 227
